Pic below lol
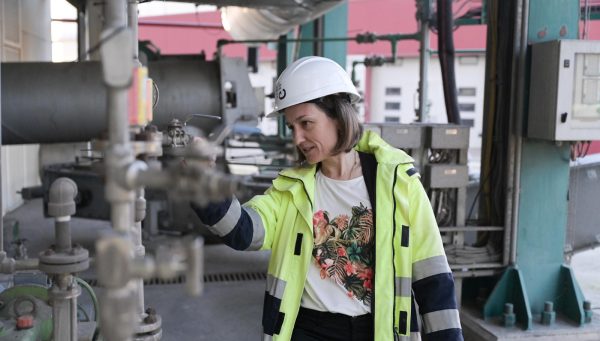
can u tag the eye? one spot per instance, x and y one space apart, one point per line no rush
306 124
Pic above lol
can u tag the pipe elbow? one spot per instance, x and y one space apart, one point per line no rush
62 197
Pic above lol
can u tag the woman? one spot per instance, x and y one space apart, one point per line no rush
353 238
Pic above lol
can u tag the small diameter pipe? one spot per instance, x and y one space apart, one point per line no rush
62 233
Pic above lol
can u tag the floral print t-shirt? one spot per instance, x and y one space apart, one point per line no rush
340 276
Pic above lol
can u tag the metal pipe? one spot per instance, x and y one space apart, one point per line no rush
366 38
132 22
27 264
73 310
139 250
140 201
62 230
158 23
424 58
63 296
517 129
82 39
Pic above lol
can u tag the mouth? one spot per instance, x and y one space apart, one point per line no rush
306 150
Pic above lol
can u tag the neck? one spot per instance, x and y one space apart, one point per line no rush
343 166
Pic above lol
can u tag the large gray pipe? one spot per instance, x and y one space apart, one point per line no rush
66 102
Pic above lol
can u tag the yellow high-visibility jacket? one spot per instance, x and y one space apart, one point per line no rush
410 264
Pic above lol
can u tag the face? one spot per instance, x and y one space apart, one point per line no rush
314 133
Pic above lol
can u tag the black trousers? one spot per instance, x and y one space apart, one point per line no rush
312 325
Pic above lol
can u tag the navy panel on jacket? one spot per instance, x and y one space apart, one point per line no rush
453 334
240 237
213 212
435 293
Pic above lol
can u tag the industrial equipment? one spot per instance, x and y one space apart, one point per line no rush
565 91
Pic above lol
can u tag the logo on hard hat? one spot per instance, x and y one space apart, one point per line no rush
280 92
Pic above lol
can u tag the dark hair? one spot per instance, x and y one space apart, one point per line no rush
339 108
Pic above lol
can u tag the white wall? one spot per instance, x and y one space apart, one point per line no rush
25 33
470 73
264 79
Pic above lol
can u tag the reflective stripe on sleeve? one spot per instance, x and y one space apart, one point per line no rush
429 267
267 337
403 286
229 220
275 286
440 320
414 336
258 233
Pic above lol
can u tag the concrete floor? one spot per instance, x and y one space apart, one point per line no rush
230 307
586 266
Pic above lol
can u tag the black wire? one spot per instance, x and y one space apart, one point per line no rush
100 43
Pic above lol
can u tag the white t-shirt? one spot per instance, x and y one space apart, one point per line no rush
340 276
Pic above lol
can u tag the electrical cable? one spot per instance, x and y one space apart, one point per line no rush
90 291
100 43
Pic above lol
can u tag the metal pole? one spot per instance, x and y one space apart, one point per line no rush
119 153
139 250
132 12
82 39
424 58
140 201
517 126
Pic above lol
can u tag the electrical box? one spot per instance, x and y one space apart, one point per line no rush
446 136
446 176
403 136
564 101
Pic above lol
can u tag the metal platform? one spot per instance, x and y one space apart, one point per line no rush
476 329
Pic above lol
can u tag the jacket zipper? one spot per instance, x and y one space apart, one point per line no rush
396 333
303 187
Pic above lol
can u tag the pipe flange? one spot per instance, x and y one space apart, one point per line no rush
157 336
149 324
76 260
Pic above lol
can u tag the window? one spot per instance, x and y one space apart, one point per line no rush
392 119
466 107
393 91
469 122
392 105
467 92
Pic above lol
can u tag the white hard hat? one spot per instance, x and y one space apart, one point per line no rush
310 78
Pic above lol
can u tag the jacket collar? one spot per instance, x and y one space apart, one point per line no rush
371 143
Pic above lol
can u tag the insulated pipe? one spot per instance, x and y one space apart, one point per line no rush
68 101
446 55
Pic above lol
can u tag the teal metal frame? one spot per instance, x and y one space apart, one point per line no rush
539 274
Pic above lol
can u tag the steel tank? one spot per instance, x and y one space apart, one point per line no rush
67 102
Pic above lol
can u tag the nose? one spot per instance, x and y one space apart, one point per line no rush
297 136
